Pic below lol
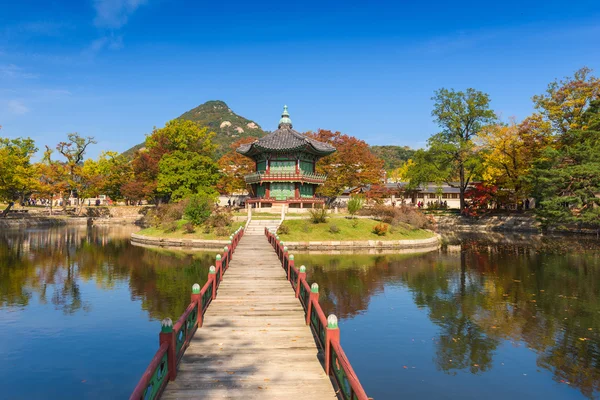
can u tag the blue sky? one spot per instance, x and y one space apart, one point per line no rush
113 69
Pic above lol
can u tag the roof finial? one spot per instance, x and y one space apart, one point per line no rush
285 118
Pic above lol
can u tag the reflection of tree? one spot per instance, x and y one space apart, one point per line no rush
53 264
545 296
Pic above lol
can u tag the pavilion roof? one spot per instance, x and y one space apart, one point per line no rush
285 139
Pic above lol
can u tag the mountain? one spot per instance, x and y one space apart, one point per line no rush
219 118
392 156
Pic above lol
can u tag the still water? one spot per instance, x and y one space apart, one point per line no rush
79 310
495 318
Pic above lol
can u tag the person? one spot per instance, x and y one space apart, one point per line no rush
229 203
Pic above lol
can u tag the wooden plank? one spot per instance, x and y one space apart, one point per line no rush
254 342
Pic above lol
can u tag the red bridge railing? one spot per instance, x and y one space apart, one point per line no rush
324 328
175 339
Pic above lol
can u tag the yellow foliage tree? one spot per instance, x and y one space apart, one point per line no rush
509 152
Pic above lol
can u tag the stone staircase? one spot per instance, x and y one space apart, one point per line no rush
257 227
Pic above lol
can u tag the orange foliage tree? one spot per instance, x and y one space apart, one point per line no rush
234 167
353 163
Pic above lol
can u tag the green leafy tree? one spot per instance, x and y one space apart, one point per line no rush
184 173
18 176
452 155
178 161
566 179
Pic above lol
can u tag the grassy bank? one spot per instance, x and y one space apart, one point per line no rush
303 230
180 232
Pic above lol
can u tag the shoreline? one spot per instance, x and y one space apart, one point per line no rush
177 243
376 245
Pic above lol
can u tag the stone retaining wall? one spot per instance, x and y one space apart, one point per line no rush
177 243
428 244
514 223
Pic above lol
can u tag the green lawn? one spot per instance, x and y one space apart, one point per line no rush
303 230
180 233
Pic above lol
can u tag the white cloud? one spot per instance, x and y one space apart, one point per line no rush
115 13
17 108
12 71
109 42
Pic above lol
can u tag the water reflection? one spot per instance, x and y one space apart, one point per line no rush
53 263
79 309
542 294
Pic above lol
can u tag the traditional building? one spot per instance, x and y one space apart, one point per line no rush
285 167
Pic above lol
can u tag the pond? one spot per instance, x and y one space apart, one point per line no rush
489 316
80 309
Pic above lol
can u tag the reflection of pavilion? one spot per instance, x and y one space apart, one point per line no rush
285 167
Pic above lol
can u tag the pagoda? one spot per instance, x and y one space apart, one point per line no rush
285 167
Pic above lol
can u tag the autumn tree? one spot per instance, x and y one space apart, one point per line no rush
511 150
53 178
18 176
452 156
73 150
234 167
566 101
352 164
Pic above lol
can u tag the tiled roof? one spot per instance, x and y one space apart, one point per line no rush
285 139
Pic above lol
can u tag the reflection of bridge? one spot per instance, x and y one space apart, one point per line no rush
254 341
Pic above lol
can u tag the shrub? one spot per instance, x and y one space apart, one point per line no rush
222 231
189 228
198 209
318 215
355 204
164 214
380 229
206 229
334 228
283 229
220 218
354 223
171 226
401 215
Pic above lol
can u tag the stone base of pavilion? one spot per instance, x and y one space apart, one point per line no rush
301 203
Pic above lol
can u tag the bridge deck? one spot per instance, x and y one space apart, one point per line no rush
254 342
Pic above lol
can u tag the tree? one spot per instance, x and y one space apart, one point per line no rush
234 167
452 155
185 173
511 151
401 173
566 179
74 150
352 164
53 178
180 136
18 177
566 101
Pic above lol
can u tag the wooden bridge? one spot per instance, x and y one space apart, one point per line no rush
264 335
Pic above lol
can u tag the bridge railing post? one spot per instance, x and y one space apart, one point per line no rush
230 251
219 265
332 333
285 259
168 336
212 276
301 276
196 298
314 298
290 266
